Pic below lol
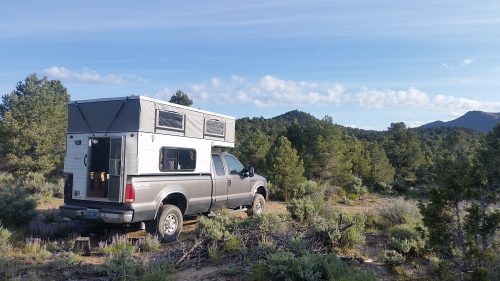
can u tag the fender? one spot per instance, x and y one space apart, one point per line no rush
256 185
165 193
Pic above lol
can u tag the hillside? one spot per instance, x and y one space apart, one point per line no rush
478 120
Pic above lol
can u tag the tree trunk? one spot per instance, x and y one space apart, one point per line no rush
459 227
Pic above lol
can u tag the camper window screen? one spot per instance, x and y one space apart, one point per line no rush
177 159
170 120
214 128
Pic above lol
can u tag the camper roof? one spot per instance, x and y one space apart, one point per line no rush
152 100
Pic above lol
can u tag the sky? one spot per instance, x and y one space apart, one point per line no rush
365 63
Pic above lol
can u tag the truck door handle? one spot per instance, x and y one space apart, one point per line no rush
85 160
228 182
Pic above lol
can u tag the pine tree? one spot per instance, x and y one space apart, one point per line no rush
381 173
181 98
33 127
286 170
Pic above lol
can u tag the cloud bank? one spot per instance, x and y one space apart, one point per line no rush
269 91
85 76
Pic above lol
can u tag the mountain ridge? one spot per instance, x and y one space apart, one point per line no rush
478 120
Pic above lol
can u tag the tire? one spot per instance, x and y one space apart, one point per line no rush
258 206
169 223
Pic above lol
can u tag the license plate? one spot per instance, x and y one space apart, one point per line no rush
91 213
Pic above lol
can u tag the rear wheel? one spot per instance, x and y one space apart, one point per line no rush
258 206
169 223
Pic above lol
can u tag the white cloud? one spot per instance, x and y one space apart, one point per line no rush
374 98
215 82
271 91
467 61
85 76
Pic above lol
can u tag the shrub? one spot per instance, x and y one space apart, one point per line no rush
401 212
355 187
285 266
44 230
213 252
302 208
296 246
327 228
273 223
16 208
6 180
402 246
36 183
381 187
214 228
338 270
158 271
352 230
391 257
120 264
310 188
119 245
374 221
407 239
51 216
234 244
149 243
5 236
33 249
343 230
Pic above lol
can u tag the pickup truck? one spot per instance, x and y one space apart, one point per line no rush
141 160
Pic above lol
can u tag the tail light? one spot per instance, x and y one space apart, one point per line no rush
129 193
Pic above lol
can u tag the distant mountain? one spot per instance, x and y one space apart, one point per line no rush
302 118
478 120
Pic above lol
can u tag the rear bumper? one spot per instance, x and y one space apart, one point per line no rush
102 215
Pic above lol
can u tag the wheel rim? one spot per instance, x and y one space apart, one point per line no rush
170 224
258 207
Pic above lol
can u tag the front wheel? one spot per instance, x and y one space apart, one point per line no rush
258 206
169 223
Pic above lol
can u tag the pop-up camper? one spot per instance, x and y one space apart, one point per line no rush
129 157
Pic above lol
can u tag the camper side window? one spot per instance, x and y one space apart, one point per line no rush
170 120
177 159
215 127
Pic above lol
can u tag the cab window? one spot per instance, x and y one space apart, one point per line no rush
233 165
218 165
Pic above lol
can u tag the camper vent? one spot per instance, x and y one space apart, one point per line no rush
215 127
170 120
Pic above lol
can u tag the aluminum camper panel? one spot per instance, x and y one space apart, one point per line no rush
150 145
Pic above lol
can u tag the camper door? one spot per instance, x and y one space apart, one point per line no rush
106 168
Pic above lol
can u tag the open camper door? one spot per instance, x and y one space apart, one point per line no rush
106 168
116 168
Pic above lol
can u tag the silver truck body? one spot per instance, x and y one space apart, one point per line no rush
127 157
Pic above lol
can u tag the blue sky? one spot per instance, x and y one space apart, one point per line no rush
365 63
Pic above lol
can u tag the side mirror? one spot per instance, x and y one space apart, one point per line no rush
251 171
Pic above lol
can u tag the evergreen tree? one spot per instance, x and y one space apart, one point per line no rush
381 171
286 170
253 151
404 153
33 127
181 98
360 158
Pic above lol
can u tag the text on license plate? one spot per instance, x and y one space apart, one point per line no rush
91 213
